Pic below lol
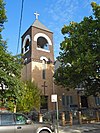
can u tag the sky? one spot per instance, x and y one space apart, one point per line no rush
54 14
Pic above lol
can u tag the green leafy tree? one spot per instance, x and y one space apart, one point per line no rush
80 54
3 17
10 74
28 97
12 90
10 66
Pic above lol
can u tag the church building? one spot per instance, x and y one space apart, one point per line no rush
37 49
38 55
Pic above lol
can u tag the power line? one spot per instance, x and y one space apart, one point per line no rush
20 27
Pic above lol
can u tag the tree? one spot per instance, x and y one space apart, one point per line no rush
28 97
80 54
10 66
12 89
3 17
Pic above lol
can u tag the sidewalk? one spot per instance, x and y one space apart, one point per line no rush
79 128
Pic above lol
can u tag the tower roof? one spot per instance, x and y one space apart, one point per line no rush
38 24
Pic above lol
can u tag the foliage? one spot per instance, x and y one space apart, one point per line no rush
10 72
28 97
12 90
80 55
3 17
10 66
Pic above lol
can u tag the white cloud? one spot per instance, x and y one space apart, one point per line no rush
62 12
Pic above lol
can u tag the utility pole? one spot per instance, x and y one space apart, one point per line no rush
55 100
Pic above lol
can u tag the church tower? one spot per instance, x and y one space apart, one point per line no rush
38 55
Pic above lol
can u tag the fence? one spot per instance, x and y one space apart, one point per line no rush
73 117
90 115
68 117
65 117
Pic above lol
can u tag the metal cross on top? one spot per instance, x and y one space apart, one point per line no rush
36 15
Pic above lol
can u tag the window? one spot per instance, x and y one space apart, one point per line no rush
63 100
43 69
44 103
27 45
20 119
67 100
7 119
97 101
42 43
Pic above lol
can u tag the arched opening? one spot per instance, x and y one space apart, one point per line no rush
27 45
42 43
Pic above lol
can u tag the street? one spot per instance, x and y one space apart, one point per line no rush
89 128
94 131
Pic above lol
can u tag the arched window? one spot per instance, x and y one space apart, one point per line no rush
42 43
44 69
27 45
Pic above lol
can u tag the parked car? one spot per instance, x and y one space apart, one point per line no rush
20 123
34 116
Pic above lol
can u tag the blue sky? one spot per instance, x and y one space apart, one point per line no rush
54 14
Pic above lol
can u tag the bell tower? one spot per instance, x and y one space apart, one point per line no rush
38 55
